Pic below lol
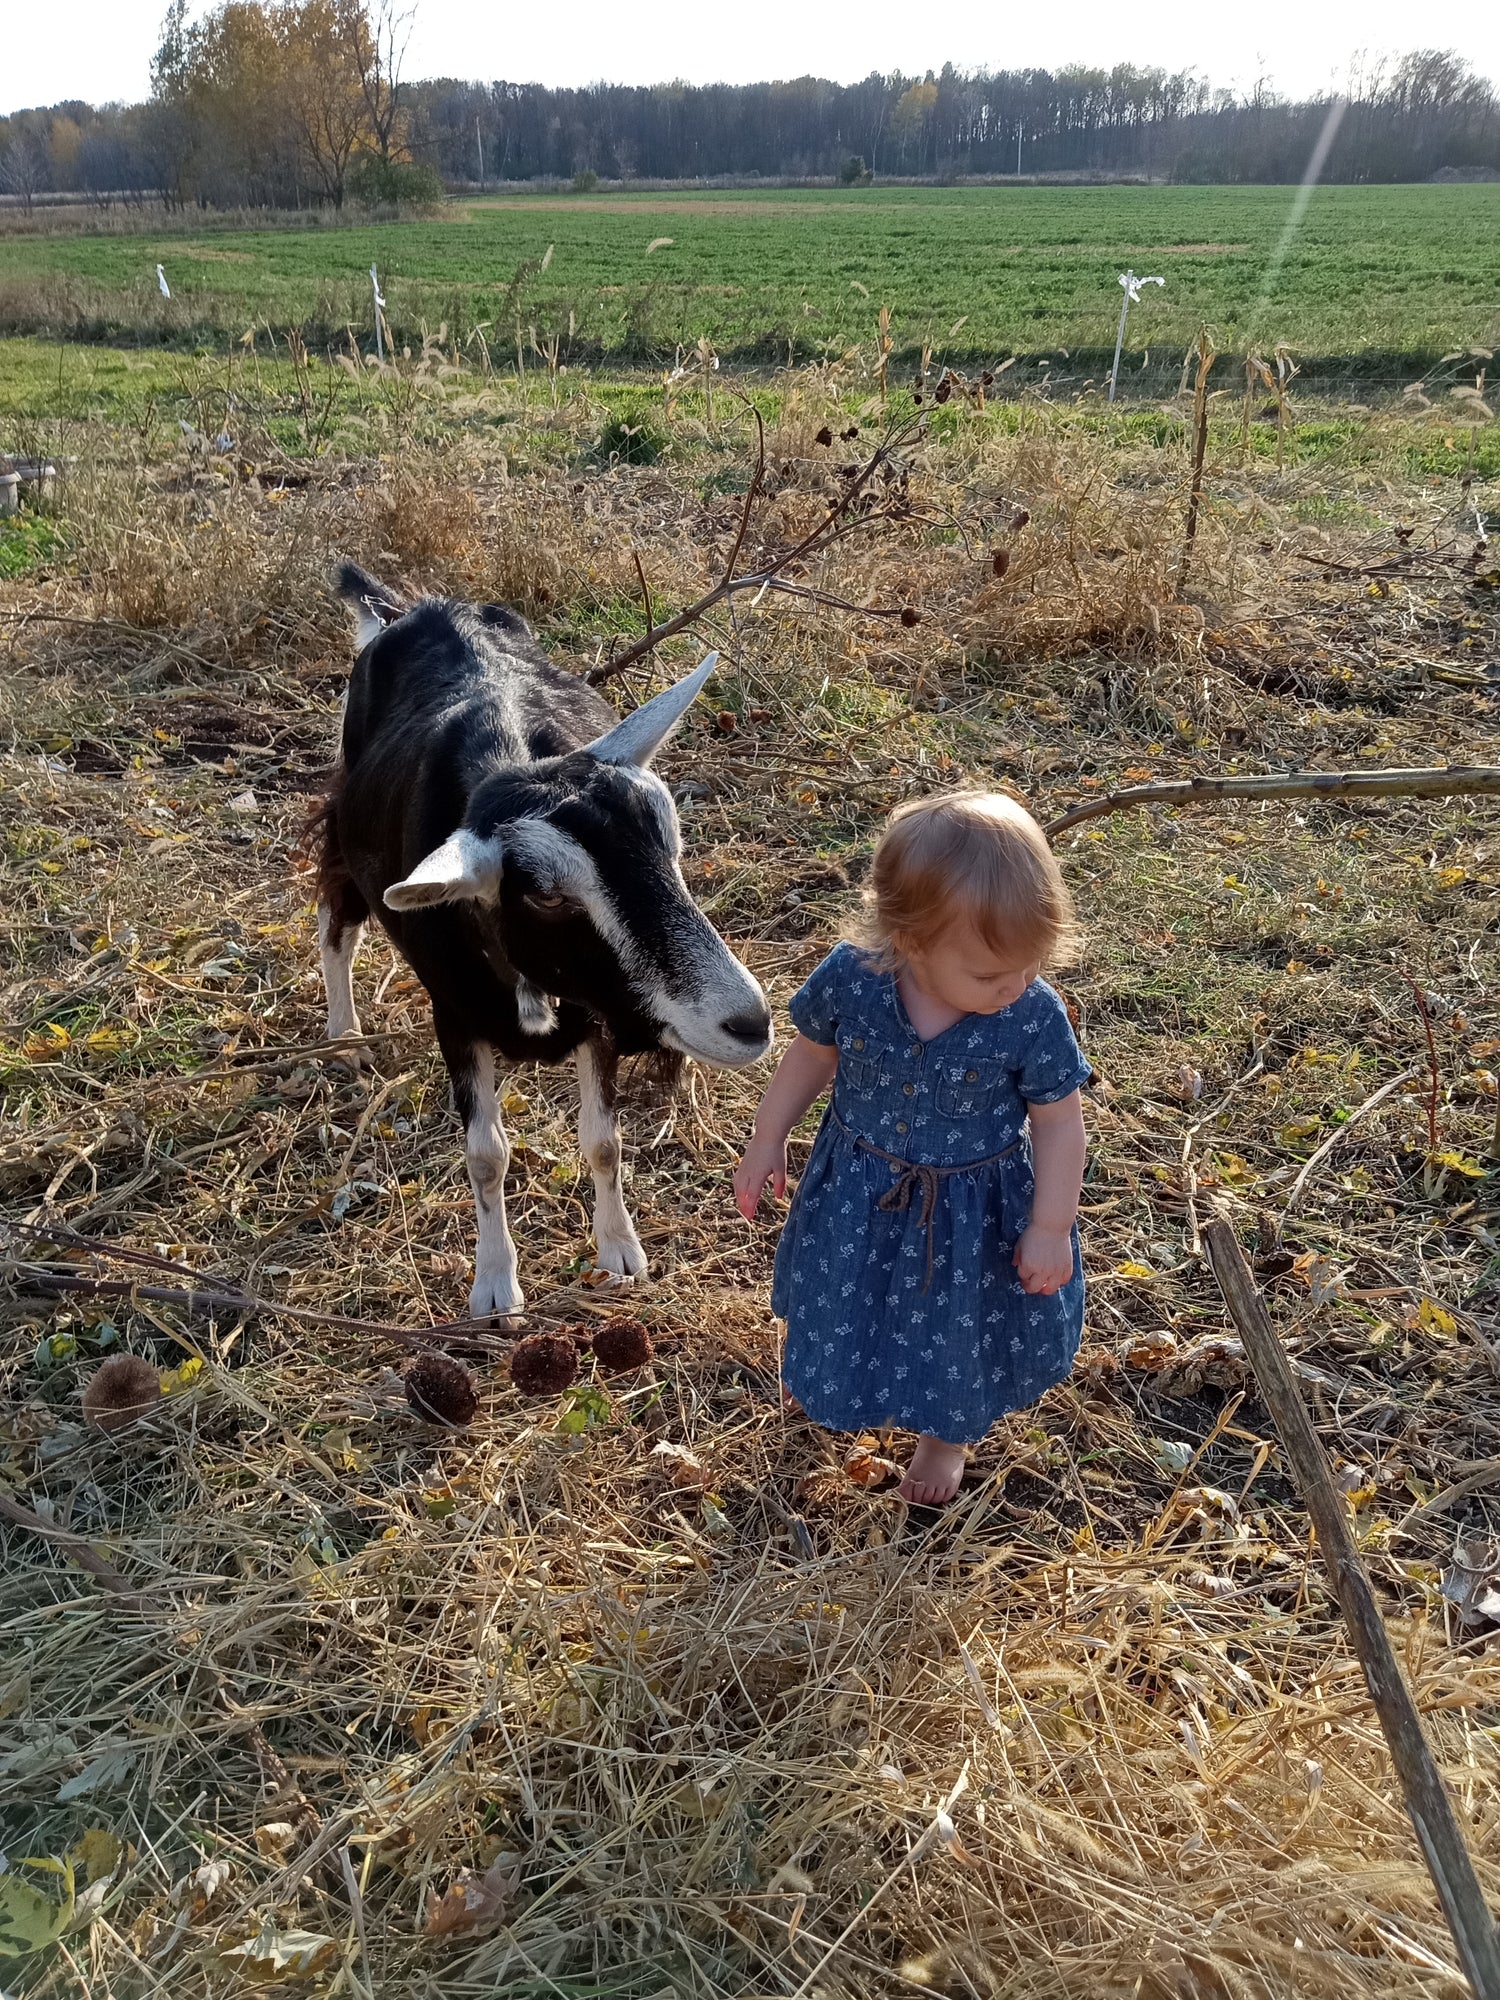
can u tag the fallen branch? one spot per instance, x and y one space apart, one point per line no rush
206 1293
1427 1800
83 1552
1440 782
840 519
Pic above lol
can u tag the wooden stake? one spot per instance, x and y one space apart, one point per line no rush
1427 1801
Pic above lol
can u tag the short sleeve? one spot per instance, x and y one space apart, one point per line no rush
1052 1064
817 1006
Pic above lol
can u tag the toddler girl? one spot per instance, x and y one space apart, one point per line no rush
928 1272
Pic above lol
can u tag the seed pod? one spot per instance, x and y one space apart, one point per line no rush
725 720
622 1344
544 1364
1000 561
909 617
825 436
120 1391
441 1390
943 391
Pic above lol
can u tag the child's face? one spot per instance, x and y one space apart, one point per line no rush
961 970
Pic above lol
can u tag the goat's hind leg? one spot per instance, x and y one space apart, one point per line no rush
497 1291
338 941
342 916
619 1252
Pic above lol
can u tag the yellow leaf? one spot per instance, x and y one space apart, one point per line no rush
1140 1273
107 1040
1449 878
175 1380
1299 1129
1459 1163
30 1921
1436 1320
50 867
1233 1171
99 1851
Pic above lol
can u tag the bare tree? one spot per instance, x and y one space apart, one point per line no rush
23 167
381 46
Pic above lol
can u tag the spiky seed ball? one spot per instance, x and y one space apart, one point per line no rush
825 436
621 1344
441 1390
120 1391
909 617
1000 561
544 1364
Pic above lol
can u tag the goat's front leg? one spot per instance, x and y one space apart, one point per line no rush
619 1248
497 1291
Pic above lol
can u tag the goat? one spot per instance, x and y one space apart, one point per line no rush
505 827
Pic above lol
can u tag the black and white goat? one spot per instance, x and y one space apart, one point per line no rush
507 830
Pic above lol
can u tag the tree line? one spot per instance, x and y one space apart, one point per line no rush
302 103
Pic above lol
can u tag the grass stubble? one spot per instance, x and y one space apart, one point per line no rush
538 1707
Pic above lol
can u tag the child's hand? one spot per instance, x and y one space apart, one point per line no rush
1044 1259
764 1160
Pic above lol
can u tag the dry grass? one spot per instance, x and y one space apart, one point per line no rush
1097 1731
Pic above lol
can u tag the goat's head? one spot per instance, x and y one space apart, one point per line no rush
571 868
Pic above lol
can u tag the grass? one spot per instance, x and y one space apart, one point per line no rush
695 1739
1377 283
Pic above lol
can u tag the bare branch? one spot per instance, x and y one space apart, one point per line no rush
1457 781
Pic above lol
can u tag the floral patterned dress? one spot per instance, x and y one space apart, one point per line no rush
894 1271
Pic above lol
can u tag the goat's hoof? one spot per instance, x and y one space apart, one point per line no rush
620 1263
499 1297
353 1059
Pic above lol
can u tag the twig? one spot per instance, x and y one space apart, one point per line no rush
1421 782
635 557
82 1552
1342 1132
1482 1475
832 528
1427 1801
1200 448
205 1299
1433 1074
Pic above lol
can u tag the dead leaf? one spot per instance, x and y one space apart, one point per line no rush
272 1956
864 1467
1471 1583
473 1903
275 1839
682 1467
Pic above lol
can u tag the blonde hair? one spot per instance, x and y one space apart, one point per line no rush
966 856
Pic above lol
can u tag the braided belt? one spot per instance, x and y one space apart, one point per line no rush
915 1178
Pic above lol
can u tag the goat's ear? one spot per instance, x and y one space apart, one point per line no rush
371 604
464 869
637 739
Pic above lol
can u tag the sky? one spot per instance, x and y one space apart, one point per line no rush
101 49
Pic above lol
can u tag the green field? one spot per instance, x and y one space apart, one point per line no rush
1375 283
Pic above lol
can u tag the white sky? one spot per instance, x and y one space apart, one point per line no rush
101 49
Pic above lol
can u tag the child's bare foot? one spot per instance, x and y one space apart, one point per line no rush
935 1473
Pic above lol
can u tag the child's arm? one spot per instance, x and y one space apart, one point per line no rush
1044 1255
803 1074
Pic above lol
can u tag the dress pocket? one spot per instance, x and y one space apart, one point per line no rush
859 1063
969 1091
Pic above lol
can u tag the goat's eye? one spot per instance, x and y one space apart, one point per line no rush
548 906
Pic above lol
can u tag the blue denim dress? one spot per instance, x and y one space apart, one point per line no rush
894 1271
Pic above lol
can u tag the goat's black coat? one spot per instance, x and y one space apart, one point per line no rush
455 716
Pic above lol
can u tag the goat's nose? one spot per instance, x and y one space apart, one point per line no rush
752 1025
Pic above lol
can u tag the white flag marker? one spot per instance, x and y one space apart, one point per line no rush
161 279
1132 285
379 309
